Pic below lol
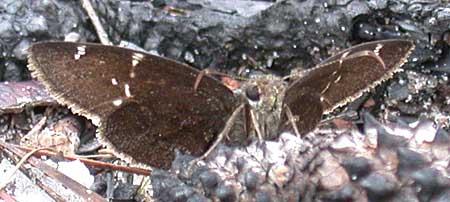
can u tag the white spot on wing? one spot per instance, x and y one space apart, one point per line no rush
127 90
378 48
117 102
136 58
134 62
81 50
114 81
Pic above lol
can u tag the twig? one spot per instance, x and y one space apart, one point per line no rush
34 131
96 22
16 168
90 162
43 184
6 197
48 171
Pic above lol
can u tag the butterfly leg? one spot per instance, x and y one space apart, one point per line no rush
302 111
256 125
200 75
247 117
292 120
228 126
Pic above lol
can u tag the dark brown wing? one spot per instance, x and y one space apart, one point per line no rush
388 44
343 77
306 109
145 105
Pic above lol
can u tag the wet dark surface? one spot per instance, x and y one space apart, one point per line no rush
279 36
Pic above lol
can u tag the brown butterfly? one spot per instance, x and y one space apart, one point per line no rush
146 106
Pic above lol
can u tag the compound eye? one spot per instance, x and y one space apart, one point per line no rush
253 93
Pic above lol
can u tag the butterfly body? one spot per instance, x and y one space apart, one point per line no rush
264 96
146 106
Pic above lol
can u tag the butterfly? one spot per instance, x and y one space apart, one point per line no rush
146 106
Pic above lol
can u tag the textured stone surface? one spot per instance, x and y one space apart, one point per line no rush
322 166
278 36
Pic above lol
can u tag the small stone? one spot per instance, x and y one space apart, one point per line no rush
409 159
280 174
6 29
20 50
332 174
251 180
429 178
226 193
378 185
37 24
179 193
12 71
398 92
262 197
197 198
356 167
208 180
343 194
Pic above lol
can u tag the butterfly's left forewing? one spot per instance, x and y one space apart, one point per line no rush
146 105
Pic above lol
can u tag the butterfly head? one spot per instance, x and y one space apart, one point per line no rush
264 93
